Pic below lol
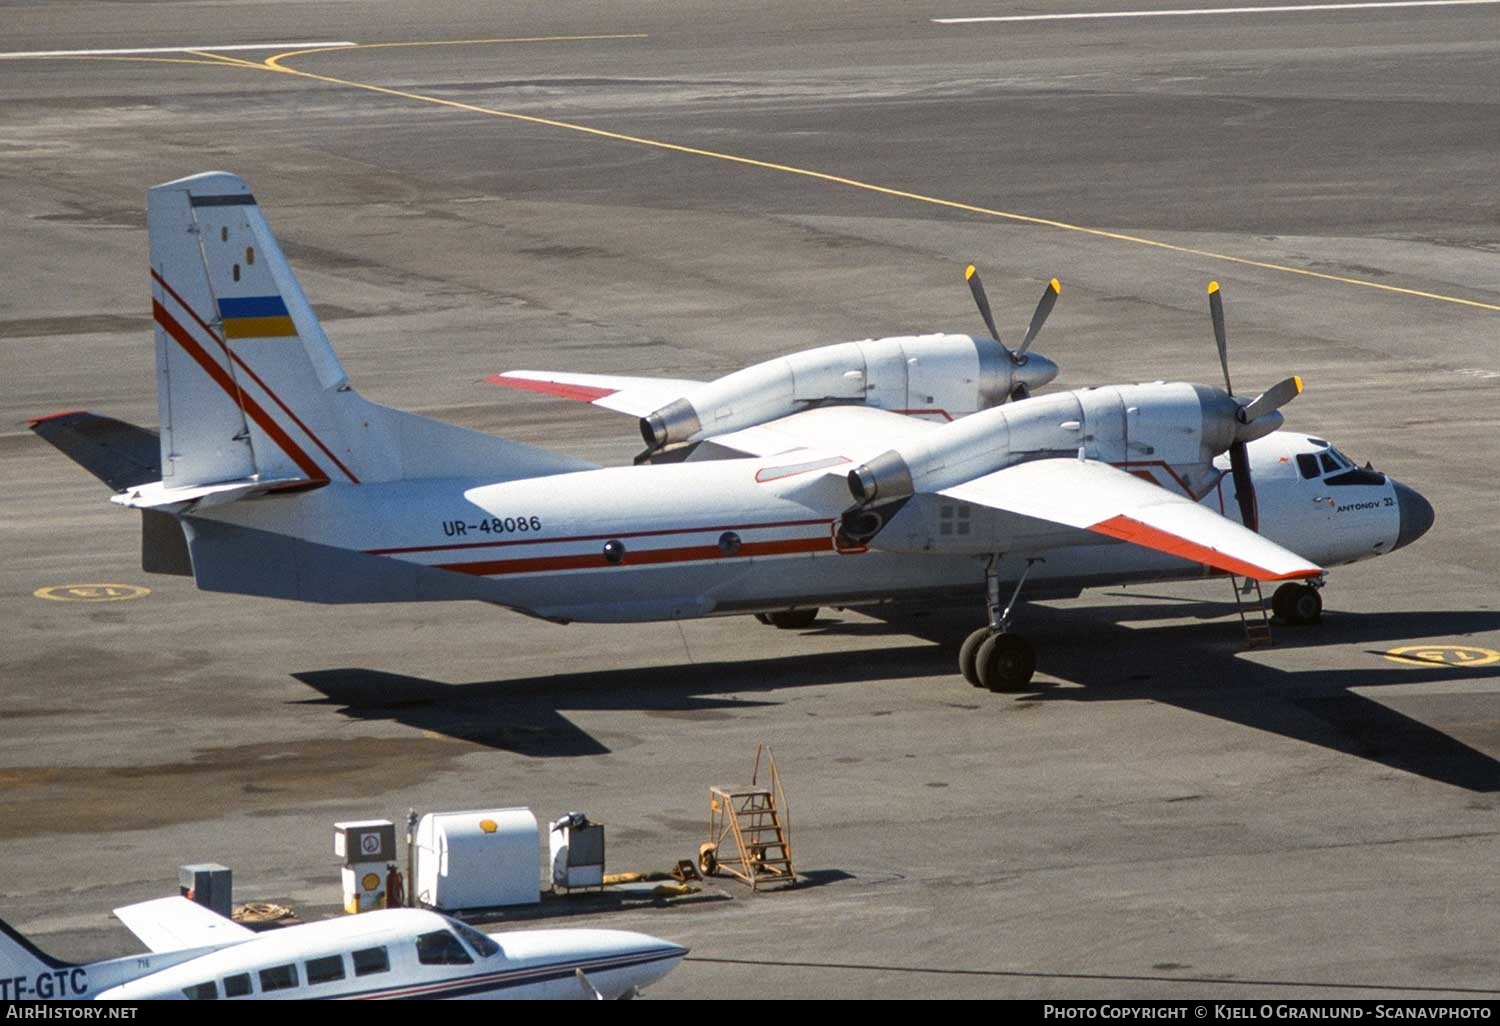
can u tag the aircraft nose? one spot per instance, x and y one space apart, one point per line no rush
1416 515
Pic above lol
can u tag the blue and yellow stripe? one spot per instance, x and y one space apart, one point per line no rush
255 317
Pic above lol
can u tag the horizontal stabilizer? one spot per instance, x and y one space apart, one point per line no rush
119 454
1097 497
177 924
634 396
158 496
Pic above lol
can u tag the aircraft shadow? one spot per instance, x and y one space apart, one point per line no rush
1192 666
522 715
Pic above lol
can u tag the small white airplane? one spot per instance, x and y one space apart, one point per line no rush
903 469
392 953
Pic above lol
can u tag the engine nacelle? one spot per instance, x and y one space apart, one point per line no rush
937 376
1177 427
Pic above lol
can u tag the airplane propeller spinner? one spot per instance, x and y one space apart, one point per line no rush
1261 409
1018 357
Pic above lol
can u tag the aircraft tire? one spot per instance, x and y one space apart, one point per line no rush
1298 605
968 654
1005 662
792 619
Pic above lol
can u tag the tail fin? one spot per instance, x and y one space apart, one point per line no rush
243 367
21 958
250 389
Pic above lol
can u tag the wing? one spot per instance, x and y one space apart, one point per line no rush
854 432
1096 497
177 924
635 396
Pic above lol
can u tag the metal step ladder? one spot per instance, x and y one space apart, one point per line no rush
757 819
1255 619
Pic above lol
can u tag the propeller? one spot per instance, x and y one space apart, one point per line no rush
1018 357
1269 401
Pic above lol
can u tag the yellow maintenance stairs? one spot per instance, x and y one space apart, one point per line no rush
750 829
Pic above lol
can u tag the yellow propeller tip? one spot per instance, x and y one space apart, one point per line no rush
1056 285
1213 287
968 272
1298 379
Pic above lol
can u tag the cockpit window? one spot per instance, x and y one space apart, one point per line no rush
441 948
1329 464
1307 463
482 945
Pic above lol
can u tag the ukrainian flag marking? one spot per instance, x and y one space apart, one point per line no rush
255 317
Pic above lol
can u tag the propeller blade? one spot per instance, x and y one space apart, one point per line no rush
1043 311
590 992
1216 311
1273 398
1244 487
983 302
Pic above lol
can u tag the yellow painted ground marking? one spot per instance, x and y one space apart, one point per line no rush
92 592
275 63
1459 656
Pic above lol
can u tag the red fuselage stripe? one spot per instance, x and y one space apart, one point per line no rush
214 370
591 537
254 377
1126 529
595 560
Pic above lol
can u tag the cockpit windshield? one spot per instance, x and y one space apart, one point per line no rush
1334 467
481 943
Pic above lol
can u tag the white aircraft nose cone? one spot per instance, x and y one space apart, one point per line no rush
1417 515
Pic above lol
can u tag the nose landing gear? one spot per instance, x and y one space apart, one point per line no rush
1299 605
992 657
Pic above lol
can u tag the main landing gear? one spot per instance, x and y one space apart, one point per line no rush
789 619
1299 605
992 657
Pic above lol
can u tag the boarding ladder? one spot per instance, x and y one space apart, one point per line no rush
1253 615
756 817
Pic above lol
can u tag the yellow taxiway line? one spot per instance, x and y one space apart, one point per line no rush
276 63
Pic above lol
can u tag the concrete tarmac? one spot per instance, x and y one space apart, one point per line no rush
685 189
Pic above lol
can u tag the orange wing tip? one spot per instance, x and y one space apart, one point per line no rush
54 416
582 393
1129 530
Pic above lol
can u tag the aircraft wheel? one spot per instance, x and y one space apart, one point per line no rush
968 654
1005 662
792 619
1299 605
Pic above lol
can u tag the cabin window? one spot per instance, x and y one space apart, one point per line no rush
1307 463
483 946
201 991
441 948
237 985
370 961
325 970
278 977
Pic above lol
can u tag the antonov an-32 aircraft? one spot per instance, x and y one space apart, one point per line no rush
894 469
392 953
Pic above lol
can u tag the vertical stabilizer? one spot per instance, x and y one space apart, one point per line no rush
246 377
